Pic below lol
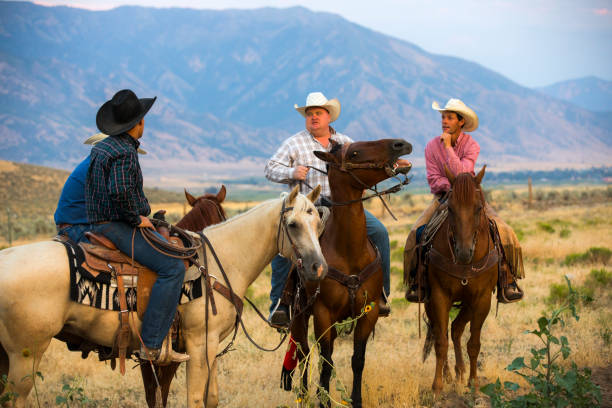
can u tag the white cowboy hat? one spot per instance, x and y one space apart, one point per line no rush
457 106
317 99
92 140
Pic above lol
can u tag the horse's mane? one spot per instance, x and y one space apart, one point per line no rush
464 188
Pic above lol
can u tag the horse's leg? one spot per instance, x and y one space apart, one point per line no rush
439 306
165 379
326 337
22 373
299 332
164 375
481 310
364 327
198 368
213 388
457 329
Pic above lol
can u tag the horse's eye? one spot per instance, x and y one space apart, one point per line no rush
478 209
309 211
355 154
293 224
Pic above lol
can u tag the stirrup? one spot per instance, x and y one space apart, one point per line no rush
415 296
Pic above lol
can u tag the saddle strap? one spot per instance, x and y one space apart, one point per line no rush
123 334
354 282
229 295
463 272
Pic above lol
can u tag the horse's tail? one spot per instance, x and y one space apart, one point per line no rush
429 340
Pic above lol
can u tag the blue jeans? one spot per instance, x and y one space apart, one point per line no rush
76 232
166 291
377 233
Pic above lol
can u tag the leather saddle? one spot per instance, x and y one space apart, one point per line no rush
102 256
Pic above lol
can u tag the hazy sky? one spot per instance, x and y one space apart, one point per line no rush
533 42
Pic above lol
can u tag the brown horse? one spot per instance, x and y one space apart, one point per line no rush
206 210
351 169
462 267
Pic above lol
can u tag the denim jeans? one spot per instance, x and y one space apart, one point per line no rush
76 232
166 291
377 233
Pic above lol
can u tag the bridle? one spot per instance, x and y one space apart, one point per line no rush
346 166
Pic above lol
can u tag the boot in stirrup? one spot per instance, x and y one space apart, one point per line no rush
162 356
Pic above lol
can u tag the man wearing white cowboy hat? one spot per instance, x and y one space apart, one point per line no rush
116 206
289 166
458 151
71 213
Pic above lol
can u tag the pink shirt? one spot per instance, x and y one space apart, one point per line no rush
459 159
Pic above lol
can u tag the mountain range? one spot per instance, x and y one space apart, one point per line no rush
226 83
592 93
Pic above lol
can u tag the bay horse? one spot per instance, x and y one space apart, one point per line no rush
205 210
35 303
351 169
462 267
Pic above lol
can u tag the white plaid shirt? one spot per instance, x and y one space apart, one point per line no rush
298 151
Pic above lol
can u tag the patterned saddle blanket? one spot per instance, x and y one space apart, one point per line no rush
93 284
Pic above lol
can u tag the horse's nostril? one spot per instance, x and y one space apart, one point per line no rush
318 268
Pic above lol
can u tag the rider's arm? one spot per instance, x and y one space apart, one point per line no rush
122 187
465 163
279 168
435 172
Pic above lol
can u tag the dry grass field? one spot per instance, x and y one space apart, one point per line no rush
394 375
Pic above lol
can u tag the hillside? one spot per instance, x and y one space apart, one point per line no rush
592 93
30 193
227 80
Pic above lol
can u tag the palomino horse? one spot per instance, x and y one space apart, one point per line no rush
35 302
462 267
351 169
206 210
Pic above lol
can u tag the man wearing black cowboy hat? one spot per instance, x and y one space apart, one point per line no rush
116 205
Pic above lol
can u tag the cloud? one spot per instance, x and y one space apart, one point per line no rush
602 11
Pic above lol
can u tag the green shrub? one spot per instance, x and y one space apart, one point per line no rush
393 244
397 255
520 234
592 255
564 233
544 226
598 278
549 383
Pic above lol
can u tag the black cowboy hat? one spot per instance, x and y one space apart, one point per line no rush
122 113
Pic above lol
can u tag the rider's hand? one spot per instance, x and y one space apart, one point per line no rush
145 223
446 139
300 172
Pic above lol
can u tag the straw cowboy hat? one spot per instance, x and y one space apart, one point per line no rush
122 113
92 140
317 99
457 106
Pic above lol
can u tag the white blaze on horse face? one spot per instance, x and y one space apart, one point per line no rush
303 225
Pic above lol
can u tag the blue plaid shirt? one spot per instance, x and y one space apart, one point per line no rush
113 191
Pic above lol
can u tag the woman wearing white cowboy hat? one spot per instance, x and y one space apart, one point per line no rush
458 151
288 166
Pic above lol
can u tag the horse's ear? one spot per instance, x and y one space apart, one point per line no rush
480 174
221 194
449 174
190 199
314 194
292 195
325 156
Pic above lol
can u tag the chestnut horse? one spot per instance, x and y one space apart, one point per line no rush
206 210
463 265
351 169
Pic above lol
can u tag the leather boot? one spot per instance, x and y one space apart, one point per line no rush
162 356
279 317
511 293
415 294
384 308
